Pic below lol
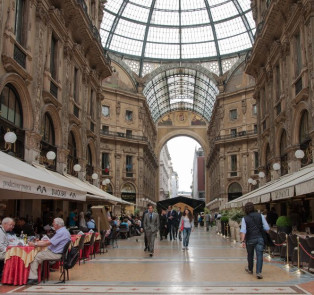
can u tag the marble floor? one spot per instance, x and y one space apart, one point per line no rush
212 265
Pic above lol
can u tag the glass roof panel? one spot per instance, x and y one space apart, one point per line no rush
163 35
181 88
192 4
146 3
162 51
166 4
198 50
198 34
194 17
133 47
130 30
114 5
246 5
236 43
223 11
137 12
230 28
162 17
178 29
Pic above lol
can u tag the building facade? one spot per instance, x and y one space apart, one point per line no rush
284 89
128 139
198 175
165 174
52 65
232 135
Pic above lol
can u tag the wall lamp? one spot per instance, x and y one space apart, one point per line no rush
9 138
299 154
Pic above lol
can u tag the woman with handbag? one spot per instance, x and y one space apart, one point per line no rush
186 225
251 235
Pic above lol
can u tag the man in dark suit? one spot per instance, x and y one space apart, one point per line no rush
179 213
151 227
172 220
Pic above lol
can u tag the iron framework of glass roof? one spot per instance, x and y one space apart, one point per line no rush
177 30
180 89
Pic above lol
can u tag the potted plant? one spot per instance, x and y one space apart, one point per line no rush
284 224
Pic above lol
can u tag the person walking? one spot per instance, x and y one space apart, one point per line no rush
252 226
151 227
172 219
207 220
163 225
186 225
179 216
143 230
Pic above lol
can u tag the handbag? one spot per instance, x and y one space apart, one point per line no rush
266 237
182 225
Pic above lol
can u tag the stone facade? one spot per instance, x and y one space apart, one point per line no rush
232 135
165 174
284 87
53 63
128 139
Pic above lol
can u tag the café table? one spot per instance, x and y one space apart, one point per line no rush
87 248
17 264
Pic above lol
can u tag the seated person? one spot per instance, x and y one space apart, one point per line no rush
7 225
24 227
125 223
91 223
54 251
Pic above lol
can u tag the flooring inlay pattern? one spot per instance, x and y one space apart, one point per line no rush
88 289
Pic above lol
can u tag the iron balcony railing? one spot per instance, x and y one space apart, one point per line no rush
235 135
123 135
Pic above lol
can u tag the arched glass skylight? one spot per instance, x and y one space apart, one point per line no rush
180 89
177 30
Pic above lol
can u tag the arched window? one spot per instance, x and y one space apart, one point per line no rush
304 139
89 165
48 143
267 163
283 153
234 191
11 119
72 157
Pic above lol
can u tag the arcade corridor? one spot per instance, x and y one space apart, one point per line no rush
212 265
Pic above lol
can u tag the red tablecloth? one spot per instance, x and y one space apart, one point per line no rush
15 272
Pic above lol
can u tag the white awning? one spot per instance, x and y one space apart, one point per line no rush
287 186
94 192
20 180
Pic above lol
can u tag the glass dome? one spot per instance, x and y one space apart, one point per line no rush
177 30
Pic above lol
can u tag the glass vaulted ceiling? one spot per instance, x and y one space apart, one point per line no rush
180 89
148 33
177 30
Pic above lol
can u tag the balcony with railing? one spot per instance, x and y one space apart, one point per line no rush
239 135
122 135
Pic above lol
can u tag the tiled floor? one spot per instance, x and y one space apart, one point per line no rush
212 265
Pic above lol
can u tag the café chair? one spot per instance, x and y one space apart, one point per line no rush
310 243
91 246
102 245
113 237
81 249
63 258
283 247
124 231
274 237
304 258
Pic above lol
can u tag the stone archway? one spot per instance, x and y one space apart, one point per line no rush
182 123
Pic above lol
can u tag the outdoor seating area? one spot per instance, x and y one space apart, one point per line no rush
18 258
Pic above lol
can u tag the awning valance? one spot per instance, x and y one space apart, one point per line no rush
286 187
94 192
20 180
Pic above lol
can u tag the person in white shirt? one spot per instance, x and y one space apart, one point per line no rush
186 225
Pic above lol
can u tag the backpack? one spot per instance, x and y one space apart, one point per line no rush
71 258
